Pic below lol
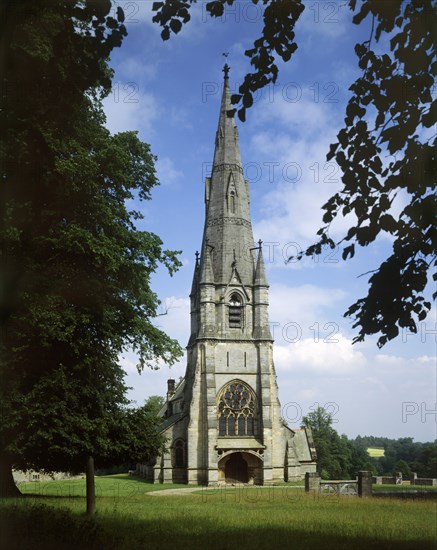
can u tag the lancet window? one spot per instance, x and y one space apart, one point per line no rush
232 202
179 453
235 311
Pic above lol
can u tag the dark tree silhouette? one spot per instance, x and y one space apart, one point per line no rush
75 269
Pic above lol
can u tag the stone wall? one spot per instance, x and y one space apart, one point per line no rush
398 480
363 483
429 481
388 480
32 475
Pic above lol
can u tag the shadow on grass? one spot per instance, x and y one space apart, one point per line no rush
39 526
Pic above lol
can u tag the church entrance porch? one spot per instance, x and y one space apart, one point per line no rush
240 467
236 469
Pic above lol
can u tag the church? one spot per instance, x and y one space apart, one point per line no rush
223 420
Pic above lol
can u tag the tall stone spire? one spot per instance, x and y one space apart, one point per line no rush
227 226
223 421
260 271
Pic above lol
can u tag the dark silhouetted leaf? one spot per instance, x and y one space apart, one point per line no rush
175 25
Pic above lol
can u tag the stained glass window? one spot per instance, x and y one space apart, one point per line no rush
237 410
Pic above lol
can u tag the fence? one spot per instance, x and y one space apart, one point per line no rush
362 486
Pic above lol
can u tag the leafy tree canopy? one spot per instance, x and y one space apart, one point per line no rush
418 457
340 457
337 458
391 113
154 403
75 268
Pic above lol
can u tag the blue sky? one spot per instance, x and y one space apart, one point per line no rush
170 92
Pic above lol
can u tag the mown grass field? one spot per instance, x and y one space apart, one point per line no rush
375 452
240 518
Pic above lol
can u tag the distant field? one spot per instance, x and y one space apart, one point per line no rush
375 452
51 516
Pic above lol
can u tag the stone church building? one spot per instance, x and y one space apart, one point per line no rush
223 420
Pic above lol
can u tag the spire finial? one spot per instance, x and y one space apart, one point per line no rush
197 258
226 68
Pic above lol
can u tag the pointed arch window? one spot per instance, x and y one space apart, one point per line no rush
235 312
237 410
231 194
232 202
179 453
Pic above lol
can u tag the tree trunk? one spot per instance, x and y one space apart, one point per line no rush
90 487
7 483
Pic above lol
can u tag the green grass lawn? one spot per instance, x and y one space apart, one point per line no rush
115 486
230 518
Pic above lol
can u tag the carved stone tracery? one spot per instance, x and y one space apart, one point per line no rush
227 166
237 410
227 220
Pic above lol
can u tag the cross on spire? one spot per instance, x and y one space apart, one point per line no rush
226 70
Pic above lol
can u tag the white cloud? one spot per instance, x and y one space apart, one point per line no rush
389 360
305 305
128 362
367 393
322 21
127 108
175 320
337 357
176 323
295 109
398 364
293 161
167 173
152 382
135 69
427 360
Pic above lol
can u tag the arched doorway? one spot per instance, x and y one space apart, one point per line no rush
236 469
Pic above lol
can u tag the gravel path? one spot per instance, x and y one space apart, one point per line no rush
189 490
172 492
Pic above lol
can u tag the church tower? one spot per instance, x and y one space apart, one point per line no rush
223 420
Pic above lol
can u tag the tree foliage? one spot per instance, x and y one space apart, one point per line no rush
75 268
418 457
337 458
391 113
